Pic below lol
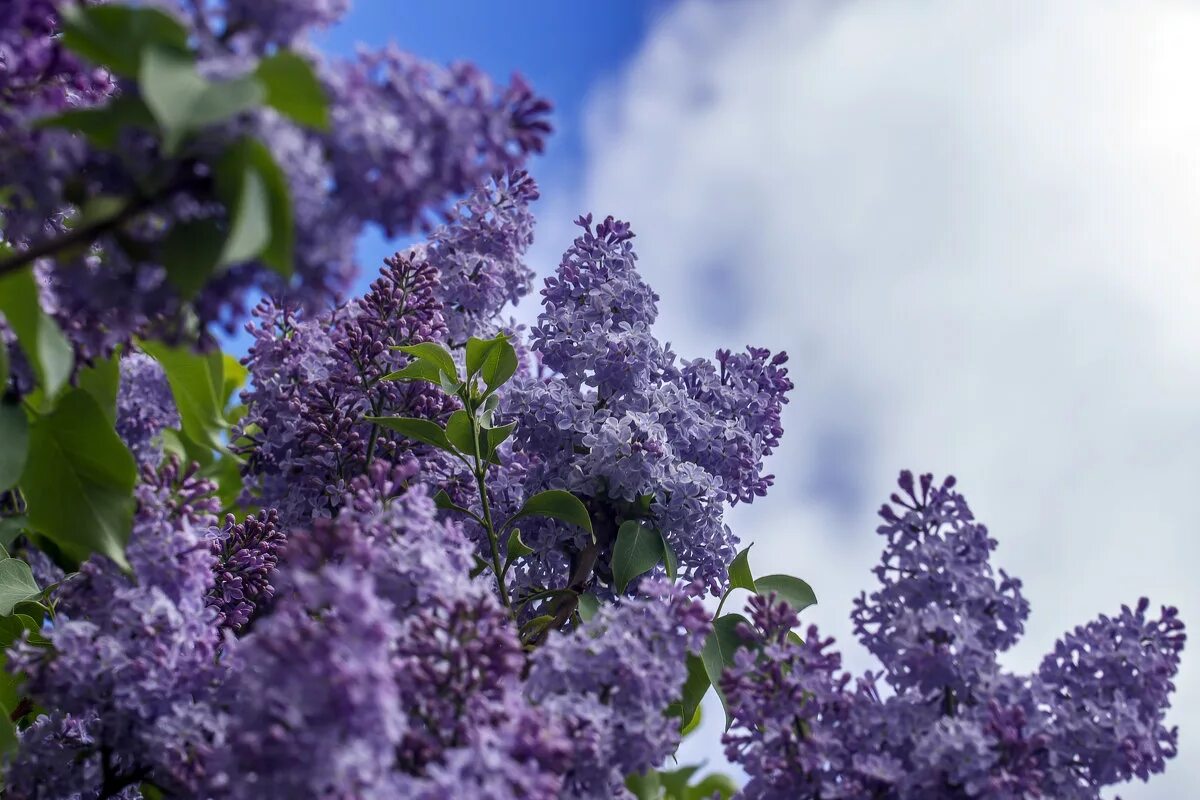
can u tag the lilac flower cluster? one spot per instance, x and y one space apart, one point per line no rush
405 139
145 407
956 725
131 660
612 680
246 553
383 670
621 422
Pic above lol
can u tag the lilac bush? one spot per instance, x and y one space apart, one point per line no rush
406 547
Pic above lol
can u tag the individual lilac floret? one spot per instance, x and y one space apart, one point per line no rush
145 407
247 553
479 255
940 616
131 658
610 681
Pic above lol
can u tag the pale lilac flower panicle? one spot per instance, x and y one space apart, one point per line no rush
145 407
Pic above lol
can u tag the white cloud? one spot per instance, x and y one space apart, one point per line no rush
976 228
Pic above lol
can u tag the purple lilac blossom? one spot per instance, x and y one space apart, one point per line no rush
956 725
130 659
614 418
145 407
611 680
247 553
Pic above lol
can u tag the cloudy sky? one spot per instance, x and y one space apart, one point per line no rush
976 229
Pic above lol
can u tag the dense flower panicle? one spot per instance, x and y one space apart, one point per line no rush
1109 683
479 253
281 23
314 378
611 680
619 421
247 553
940 616
383 669
957 725
130 656
407 135
145 407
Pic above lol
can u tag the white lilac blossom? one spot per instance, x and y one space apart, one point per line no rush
956 724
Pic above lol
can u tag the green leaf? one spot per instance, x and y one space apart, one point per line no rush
516 547
14 627
499 366
16 584
292 89
645 786
740 576
415 428
78 481
638 549
8 730
14 434
103 126
716 783
102 380
589 604
191 254
557 504
3 366
197 384
689 726
478 352
416 370
669 560
43 343
183 101
443 501
719 650
461 432
694 688
116 35
495 437
676 782
255 192
795 592
433 353
233 377
794 638
11 528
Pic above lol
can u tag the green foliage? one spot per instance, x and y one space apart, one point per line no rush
292 89
515 546
197 382
719 650
432 353
118 36
556 504
740 576
78 480
39 336
795 592
638 549
675 785
16 584
102 380
14 434
255 191
422 430
182 101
